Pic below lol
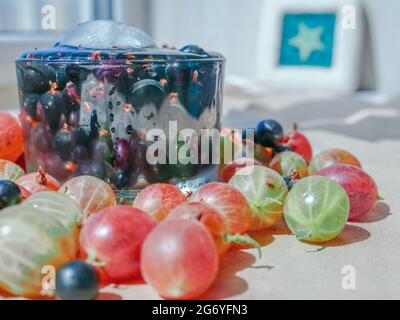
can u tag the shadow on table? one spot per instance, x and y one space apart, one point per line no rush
266 236
380 212
228 284
351 234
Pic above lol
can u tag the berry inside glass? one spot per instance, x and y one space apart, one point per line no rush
89 104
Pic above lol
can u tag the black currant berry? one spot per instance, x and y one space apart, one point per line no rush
64 143
178 74
10 194
29 103
35 78
77 281
52 106
268 133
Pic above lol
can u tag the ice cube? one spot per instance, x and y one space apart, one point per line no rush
107 34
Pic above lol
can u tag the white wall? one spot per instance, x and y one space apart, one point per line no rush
385 27
230 27
226 26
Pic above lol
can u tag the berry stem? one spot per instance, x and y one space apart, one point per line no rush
41 177
92 259
244 238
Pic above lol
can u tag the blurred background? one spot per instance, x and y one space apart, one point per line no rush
232 27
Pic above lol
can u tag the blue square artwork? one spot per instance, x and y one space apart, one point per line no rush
307 39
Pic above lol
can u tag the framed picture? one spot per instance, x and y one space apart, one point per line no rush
310 45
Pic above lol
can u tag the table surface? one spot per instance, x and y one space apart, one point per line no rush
290 269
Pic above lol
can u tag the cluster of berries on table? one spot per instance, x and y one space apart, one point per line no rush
172 240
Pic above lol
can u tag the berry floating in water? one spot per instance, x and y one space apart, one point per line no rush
77 281
359 186
178 74
193 49
51 107
64 142
29 103
35 78
316 209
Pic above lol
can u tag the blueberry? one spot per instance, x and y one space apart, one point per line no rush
52 106
146 92
64 143
9 194
194 49
77 281
29 103
268 133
